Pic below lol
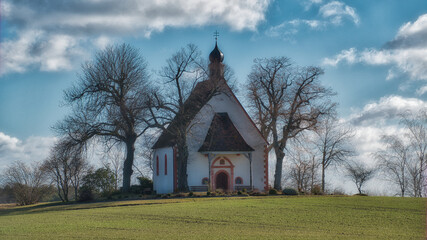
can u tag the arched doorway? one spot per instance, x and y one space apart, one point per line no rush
221 181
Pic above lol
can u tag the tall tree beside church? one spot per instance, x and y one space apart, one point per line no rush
286 100
180 76
107 102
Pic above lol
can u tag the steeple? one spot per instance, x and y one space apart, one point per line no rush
216 68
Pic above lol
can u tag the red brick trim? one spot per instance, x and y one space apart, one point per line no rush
265 168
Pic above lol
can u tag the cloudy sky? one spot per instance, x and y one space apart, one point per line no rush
374 53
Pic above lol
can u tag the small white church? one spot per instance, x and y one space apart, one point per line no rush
226 149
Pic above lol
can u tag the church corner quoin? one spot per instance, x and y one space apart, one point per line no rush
225 150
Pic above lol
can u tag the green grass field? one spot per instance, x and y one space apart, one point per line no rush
272 217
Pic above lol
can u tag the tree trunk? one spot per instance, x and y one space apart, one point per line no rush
182 166
279 167
359 188
127 167
323 177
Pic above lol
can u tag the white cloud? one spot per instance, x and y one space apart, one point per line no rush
36 48
406 53
289 28
379 118
331 13
32 149
421 90
335 11
308 4
345 55
385 110
370 123
49 36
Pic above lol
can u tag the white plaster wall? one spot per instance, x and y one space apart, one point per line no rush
198 168
198 163
163 183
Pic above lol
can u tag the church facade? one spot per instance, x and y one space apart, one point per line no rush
226 150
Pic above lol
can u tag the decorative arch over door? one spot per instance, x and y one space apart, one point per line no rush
222 174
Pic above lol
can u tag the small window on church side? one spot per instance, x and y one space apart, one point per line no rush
166 164
222 162
239 180
205 181
157 165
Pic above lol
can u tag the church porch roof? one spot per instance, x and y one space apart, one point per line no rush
223 136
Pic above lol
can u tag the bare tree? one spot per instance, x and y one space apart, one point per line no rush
113 160
286 101
26 181
415 123
333 144
108 102
394 160
359 174
303 165
415 177
66 167
145 164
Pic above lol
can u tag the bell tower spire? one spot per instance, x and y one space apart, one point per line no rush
216 68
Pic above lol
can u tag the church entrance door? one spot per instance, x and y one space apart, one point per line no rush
221 181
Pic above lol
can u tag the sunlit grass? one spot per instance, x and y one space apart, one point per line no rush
273 217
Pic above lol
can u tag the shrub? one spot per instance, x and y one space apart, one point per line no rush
86 194
290 192
135 189
361 194
98 183
26 182
316 190
208 193
338 191
244 190
145 182
190 194
254 193
180 195
239 193
272 192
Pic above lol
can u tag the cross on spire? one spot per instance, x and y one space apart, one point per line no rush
216 35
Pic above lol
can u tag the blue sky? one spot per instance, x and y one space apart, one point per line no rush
374 53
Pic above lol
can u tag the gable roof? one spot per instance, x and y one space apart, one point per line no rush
223 136
200 95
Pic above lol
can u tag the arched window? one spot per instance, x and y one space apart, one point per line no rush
157 165
222 162
205 181
239 180
166 164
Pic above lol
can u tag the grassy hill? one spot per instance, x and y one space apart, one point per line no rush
272 217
